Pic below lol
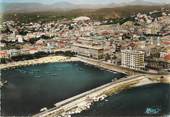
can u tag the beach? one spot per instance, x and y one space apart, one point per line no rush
49 59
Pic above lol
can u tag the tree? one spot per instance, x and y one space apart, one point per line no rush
107 57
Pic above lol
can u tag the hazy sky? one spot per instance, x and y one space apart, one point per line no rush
81 1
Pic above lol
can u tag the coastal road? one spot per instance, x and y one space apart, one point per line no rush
108 66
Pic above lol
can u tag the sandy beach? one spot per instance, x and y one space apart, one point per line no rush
49 59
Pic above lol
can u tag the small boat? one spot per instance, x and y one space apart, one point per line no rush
3 83
43 109
114 79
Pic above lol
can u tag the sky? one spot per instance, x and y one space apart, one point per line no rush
81 1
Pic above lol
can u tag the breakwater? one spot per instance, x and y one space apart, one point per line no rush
82 101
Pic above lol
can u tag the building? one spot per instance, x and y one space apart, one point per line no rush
132 59
14 52
158 64
3 54
33 50
86 47
88 51
19 38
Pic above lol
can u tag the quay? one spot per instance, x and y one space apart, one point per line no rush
108 66
79 102
117 68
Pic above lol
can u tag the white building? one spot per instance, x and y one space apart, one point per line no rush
14 52
132 59
20 38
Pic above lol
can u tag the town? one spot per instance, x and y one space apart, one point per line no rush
140 42
100 57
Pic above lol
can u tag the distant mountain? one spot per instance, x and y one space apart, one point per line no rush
142 2
64 6
36 7
23 7
98 14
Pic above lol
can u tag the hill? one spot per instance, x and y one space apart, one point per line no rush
99 14
65 6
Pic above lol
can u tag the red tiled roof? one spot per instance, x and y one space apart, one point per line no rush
166 42
3 53
132 44
167 57
33 49
105 33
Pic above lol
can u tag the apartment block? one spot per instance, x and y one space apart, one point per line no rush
132 59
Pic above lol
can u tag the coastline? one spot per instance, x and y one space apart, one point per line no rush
43 60
62 58
146 80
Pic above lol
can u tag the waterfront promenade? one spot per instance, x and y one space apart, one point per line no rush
117 68
108 66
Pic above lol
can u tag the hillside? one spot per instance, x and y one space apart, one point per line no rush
103 13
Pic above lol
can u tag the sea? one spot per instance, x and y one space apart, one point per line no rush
149 100
32 88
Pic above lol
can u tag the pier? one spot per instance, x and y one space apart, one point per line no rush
82 101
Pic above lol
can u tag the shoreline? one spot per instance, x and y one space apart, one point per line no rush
62 58
43 60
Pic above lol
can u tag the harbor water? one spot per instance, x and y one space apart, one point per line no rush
149 100
32 88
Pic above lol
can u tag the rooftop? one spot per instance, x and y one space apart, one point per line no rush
133 51
88 46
